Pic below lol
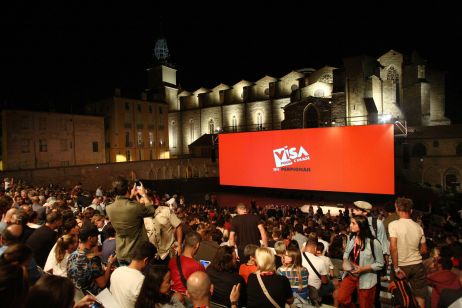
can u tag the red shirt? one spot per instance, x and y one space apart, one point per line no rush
189 266
245 270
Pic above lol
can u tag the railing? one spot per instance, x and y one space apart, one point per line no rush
400 125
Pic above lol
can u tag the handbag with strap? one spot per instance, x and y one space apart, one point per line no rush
265 291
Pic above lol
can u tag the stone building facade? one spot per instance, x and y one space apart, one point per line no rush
367 90
393 88
136 129
244 106
42 139
431 156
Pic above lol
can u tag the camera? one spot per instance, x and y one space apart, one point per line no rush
137 183
97 305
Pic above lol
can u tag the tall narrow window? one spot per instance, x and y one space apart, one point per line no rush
259 121
173 131
25 145
128 156
234 124
127 139
95 146
151 139
140 138
43 147
211 127
191 130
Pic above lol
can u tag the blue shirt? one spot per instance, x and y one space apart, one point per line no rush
83 268
369 279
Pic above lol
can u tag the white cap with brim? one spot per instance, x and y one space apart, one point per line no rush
363 205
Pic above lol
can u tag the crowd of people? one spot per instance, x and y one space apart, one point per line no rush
61 248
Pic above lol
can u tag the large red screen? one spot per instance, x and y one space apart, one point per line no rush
343 159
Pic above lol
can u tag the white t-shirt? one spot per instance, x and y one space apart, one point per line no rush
410 235
327 263
126 285
318 263
59 269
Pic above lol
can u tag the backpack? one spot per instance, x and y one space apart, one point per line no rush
401 294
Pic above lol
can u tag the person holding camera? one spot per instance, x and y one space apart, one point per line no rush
127 216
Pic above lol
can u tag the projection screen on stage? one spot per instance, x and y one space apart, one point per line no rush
343 159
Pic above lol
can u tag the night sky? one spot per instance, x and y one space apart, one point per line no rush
61 56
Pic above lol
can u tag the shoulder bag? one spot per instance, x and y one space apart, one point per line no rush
265 291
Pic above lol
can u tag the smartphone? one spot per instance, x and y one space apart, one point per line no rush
137 183
205 263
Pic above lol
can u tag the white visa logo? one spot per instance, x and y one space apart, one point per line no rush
286 157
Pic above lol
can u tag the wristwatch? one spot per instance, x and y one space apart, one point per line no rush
397 269
235 303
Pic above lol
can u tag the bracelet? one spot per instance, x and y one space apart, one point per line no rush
397 269
235 303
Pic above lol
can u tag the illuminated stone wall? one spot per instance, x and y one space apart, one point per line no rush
210 117
44 139
92 176
442 147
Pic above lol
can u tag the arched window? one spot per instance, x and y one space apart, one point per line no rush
234 124
259 121
452 180
419 150
459 149
173 130
311 117
211 127
191 130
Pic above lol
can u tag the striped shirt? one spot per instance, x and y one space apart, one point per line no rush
292 274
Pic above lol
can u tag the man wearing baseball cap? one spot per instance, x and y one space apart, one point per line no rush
364 208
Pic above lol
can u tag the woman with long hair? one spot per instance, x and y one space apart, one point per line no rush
293 269
57 264
155 291
223 273
362 259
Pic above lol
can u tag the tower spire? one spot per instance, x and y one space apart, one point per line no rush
161 52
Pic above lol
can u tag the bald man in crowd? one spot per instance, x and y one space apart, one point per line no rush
200 290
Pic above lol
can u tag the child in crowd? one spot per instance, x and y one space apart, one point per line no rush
297 274
250 267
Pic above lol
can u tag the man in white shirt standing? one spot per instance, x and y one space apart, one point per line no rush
407 244
317 269
126 281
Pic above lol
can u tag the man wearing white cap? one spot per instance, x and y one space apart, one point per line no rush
378 230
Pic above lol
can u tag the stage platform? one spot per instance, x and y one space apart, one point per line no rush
231 200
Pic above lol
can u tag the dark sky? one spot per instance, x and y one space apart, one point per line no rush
63 55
